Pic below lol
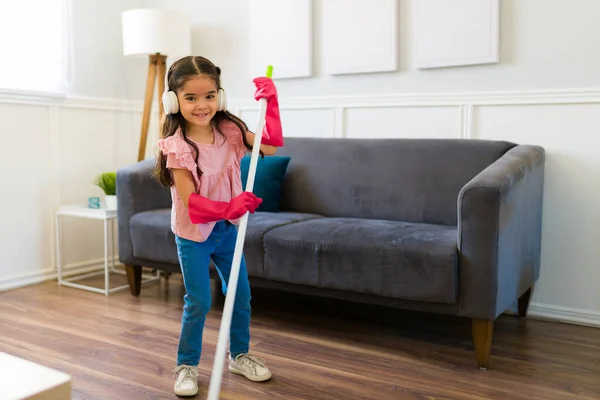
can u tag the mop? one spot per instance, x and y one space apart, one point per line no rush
218 365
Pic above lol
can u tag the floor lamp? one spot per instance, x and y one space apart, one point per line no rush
155 34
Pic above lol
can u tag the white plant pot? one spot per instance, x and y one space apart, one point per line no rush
111 202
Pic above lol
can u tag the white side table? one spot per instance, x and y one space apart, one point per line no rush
108 216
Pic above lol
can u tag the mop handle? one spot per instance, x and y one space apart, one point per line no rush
218 365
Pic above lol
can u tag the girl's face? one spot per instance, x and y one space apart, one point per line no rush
198 100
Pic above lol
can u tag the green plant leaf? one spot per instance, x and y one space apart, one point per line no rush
107 181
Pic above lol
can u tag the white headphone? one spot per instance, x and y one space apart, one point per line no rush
171 105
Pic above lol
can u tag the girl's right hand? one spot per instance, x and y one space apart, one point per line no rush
202 210
245 202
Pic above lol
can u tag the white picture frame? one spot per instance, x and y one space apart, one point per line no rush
456 33
280 34
360 36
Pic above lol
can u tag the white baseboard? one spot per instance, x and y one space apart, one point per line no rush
567 315
547 312
48 274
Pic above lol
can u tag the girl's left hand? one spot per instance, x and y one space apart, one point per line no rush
272 134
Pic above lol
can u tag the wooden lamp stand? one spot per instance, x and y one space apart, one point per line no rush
157 64
156 34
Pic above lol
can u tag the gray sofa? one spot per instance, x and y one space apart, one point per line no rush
434 225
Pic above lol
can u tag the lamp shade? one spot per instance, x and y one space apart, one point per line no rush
150 31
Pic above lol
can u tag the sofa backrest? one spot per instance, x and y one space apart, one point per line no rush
413 180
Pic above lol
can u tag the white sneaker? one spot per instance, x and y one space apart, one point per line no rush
251 367
186 380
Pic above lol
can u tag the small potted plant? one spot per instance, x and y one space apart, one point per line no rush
107 181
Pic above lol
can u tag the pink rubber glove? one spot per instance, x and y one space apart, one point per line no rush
272 134
202 210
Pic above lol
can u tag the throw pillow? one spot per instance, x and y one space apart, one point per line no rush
270 172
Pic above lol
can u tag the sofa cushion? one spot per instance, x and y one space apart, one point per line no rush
388 258
413 180
258 225
270 172
152 237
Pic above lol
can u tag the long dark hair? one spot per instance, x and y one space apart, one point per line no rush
181 71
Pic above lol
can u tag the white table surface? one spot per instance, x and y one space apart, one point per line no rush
76 210
22 379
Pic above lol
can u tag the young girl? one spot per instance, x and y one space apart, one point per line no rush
200 152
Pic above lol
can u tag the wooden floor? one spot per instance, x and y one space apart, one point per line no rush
122 347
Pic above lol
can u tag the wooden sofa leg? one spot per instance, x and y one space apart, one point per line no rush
134 278
524 303
482 339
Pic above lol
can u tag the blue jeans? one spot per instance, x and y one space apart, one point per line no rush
194 258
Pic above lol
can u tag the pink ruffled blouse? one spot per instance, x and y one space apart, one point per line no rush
220 180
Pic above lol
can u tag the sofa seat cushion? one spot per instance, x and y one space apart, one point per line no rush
152 238
259 224
402 260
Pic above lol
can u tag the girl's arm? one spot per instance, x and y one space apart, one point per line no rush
202 210
184 184
266 149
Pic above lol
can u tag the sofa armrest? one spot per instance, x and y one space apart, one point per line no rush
137 191
499 232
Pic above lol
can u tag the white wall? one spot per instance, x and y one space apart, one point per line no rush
544 44
101 70
57 147
55 153
546 89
